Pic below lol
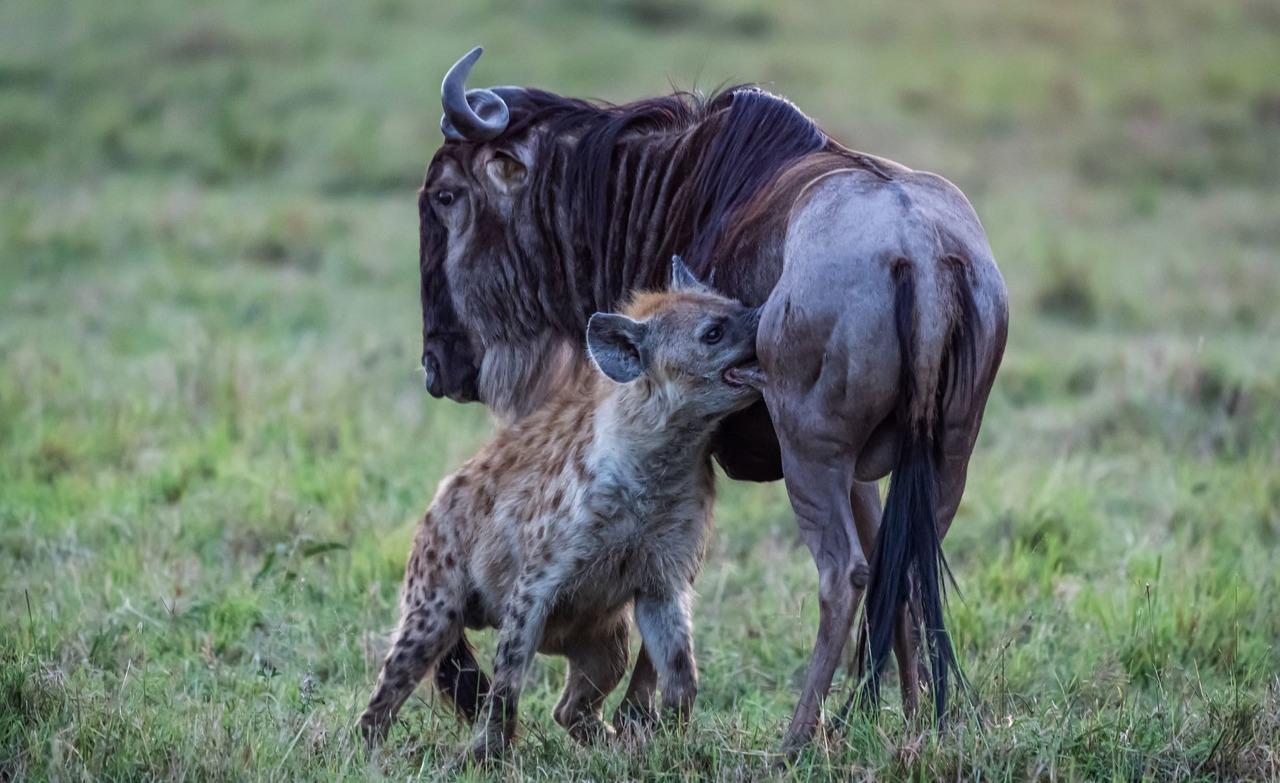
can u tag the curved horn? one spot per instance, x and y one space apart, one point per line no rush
471 115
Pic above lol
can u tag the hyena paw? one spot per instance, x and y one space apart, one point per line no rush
487 746
634 723
589 729
373 729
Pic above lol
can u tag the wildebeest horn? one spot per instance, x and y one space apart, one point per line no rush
470 115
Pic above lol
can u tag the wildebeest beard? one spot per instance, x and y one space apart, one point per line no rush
613 192
515 378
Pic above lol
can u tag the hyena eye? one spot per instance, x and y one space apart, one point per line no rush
713 334
444 197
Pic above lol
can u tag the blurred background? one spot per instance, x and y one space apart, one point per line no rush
214 442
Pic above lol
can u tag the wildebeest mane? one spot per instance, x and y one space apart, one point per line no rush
697 158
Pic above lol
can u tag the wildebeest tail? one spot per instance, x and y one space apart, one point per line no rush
461 679
908 565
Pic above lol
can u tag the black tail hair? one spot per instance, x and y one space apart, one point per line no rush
908 566
461 680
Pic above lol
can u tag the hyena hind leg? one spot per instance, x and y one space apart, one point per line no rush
430 627
423 638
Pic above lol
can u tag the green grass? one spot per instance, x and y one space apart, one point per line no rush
214 443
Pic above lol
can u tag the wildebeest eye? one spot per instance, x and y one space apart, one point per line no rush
713 334
444 197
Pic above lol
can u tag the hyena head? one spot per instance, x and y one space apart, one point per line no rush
694 346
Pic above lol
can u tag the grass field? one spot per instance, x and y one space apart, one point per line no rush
214 443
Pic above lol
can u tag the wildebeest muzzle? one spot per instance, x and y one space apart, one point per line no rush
449 369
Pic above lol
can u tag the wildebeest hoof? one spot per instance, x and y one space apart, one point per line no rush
785 762
792 746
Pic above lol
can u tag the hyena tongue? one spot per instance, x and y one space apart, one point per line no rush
746 375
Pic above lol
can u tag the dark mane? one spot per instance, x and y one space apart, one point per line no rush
722 147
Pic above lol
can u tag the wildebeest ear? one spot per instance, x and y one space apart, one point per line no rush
682 277
615 344
506 171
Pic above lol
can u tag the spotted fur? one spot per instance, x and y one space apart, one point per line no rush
595 506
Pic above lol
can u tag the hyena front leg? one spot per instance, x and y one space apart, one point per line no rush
666 625
523 621
430 625
638 712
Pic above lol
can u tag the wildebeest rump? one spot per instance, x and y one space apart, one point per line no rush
883 314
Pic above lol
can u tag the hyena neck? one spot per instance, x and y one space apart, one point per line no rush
645 428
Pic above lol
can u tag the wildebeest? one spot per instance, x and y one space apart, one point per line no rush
597 502
883 324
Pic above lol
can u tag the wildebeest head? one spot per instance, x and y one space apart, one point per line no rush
486 298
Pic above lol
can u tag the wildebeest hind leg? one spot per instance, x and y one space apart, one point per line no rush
954 469
819 488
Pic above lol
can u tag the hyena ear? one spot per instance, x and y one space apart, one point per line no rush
683 278
616 344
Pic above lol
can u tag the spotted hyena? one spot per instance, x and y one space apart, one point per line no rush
595 505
